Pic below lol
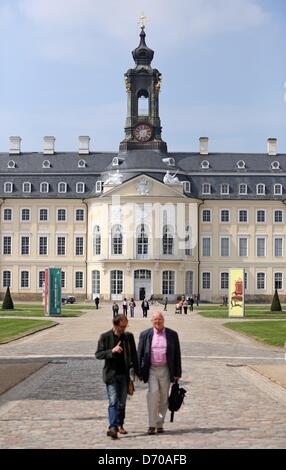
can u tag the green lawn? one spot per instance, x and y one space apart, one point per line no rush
273 333
251 311
13 328
37 310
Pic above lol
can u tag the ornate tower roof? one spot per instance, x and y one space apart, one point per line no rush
143 55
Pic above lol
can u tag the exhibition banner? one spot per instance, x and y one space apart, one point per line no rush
236 293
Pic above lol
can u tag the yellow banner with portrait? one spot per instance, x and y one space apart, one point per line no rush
236 293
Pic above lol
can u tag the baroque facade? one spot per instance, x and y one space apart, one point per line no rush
142 221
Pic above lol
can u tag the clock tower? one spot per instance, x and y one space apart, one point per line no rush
143 125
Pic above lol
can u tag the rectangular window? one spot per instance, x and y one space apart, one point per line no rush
6 279
245 280
224 280
79 215
260 216
7 217
224 215
79 246
243 246
25 279
243 189
61 246
224 246
278 281
63 279
278 217
25 215
206 188
43 215
206 215
206 280
25 245
43 245
79 280
206 246
168 283
260 246
61 215
243 215
7 245
278 246
224 189
41 279
260 281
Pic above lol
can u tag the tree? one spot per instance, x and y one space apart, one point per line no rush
8 302
276 305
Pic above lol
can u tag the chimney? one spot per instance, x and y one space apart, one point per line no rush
84 145
49 145
15 145
204 143
272 146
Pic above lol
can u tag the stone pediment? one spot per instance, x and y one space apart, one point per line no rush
144 186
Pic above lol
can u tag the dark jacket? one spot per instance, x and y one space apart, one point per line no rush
173 354
145 307
106 343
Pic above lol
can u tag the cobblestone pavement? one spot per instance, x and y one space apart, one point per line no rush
63 405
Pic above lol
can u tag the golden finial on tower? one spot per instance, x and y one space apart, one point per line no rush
143 19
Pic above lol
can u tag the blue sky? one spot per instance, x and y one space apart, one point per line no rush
222 61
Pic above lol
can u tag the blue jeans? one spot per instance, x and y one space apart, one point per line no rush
117 395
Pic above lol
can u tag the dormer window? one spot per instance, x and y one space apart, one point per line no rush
46 164
11 164
205 165
115 161
206 188
44 187
224 188
275 166
187 186
260 189
8 187
98 186
277 189
243 189
240 164
81 164
27 187
80 187
62 187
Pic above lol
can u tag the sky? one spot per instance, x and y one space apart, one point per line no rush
62 65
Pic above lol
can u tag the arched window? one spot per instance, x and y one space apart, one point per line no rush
26 187
142 241
62 187
143 103
116 240
95 283
96 240
189 283
116 283
168 241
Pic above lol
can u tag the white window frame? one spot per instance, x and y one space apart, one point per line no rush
98 186
46 164
117 293
229 216
39 215
240 164
64 190
42 185
262 237
280 192
205 164
238 216
21 212
220 281
174 278
66 212
3 217
226 187
247 246
202 247
25 235
190 281
187 186
211 216
210 280
275 165
239 189
209 188
10 185
82 236
278 237
29 279
11 164
81 163
274 212
220 245
63 275
11 281
82 280
6 235
83 187
282 280
29 187
75 215
38 278
61 236
43 235
265 216
258 193
256 281
95 281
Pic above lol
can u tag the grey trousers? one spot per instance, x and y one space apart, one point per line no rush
157 395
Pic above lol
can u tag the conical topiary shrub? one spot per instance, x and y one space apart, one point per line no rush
8 302
276 305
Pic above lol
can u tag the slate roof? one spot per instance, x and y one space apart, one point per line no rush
64 167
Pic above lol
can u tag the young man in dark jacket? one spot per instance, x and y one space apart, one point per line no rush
118 350
159 358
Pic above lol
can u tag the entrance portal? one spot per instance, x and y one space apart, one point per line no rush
142 293
142 284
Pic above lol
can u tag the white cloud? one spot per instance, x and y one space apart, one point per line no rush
72 23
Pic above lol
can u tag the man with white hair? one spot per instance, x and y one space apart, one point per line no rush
159 357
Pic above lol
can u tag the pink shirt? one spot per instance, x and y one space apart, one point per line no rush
159 348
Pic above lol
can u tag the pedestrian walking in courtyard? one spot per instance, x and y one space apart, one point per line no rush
145 307
115 309
191 303
132 306
159 358
185 307
117 348
96 301
165 303
125 306
180 306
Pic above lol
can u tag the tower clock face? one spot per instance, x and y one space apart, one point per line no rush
143 133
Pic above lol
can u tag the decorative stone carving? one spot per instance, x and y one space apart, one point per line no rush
113 179
171 179
143 187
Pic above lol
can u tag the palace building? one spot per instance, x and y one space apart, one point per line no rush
141 220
